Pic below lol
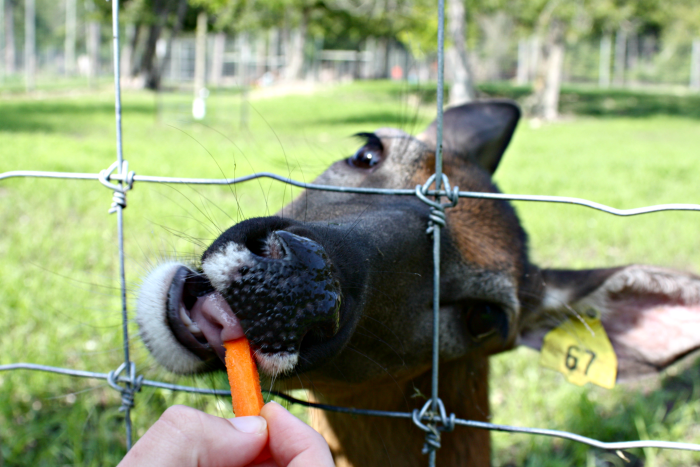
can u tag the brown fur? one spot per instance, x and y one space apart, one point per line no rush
363 440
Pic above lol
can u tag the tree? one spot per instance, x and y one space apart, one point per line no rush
163 13
155 16
30 44
462 86
347 22
549 21
10 48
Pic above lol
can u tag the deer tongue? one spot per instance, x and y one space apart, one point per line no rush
217 322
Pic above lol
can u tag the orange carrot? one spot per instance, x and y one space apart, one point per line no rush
243 378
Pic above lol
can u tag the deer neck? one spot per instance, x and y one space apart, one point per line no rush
378 441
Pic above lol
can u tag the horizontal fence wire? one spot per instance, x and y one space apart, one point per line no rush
610 446
356 190
131 178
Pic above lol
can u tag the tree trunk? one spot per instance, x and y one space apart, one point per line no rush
462 87
69 45
127 52
133 46
260 55
10 49
547 85
555 67
604 61
534 57
620 56
93 49
217 59
295 67
200 55
382 61
632 51
2 45
149 60
149 67
245 57
177 27
523 72
273 52
695 65
30 44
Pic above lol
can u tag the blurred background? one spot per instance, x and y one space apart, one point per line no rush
611 94
178 44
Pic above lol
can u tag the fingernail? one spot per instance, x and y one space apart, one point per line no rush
249 424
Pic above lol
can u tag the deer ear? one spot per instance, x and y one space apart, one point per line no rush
651 315
479 131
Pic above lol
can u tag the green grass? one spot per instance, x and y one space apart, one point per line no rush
59 275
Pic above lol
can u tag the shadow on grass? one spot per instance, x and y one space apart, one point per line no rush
608 102
583 100
372 120
577 100
50 116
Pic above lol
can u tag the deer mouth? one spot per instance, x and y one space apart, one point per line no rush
280 293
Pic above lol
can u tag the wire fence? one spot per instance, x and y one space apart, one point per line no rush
433 417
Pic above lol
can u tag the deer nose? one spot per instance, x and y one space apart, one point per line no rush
280 287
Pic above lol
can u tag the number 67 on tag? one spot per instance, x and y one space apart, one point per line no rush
579 348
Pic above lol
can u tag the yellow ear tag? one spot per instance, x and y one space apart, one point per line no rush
580 349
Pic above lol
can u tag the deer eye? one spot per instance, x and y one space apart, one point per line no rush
485 319
368 155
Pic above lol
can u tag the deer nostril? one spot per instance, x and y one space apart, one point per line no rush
317 334
195 285
285 293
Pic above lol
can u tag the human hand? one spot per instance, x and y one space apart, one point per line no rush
185 437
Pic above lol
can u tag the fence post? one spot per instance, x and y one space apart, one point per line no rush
200 60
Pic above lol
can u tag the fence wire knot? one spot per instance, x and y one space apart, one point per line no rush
437 209
132 384
436 424
119 197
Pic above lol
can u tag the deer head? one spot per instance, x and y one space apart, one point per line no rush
337 292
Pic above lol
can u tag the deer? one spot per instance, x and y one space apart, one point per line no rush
335 294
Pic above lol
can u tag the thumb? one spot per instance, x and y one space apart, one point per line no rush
293 443
189 438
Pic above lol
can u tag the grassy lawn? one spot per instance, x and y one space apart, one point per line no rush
59 273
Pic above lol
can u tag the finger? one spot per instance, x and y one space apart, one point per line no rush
292 442
189 438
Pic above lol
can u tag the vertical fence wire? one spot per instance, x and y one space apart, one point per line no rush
436 228
126 405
